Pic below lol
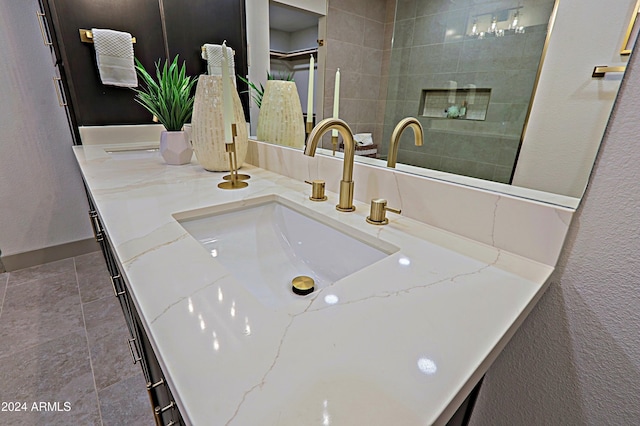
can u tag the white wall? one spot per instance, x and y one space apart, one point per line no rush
279 40
257 16
283 41
42 202
576 359
571 109
304 39
298 40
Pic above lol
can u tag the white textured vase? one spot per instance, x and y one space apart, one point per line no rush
207 131
280 119
175 147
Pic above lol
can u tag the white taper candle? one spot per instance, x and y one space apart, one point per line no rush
227 105
310 92
336 100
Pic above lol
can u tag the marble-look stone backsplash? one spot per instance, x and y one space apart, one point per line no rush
524 227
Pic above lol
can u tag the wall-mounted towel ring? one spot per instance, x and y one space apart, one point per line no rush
86 36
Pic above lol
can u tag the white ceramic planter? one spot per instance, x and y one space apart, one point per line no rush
175 148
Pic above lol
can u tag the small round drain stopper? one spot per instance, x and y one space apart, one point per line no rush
302 285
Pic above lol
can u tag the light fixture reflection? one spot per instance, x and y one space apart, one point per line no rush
331 299
220 297
497 24
326 417
233 309
247 327
202 324
190 306
214 253
493 26
404 261
216 343
427 366
514 23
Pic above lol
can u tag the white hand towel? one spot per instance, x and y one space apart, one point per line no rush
114 55
212 53
363 139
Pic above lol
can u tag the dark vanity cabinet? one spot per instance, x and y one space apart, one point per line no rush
165 409
162 29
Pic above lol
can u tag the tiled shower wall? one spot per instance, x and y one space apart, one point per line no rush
358 42
430 49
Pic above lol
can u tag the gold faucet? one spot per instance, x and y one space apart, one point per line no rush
418 134
346 184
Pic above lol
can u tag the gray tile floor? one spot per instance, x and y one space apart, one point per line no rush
63 342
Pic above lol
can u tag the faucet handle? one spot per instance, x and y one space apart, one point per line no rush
377 215
317 190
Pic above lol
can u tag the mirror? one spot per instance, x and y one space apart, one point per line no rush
467 73
559 132
293 38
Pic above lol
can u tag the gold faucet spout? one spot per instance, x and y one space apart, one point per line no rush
345 203
418 134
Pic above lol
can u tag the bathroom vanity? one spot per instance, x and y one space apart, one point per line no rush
402 340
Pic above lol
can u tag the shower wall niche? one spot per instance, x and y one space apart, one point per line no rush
444 52
462 104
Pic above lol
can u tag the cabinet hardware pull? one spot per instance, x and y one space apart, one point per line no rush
153 404
155 385
156 416
56 82
40 18
113 284
92 215
133 357
163 409
95 222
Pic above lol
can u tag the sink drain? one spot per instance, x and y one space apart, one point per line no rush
302 285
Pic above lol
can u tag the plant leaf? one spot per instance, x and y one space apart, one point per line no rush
168 96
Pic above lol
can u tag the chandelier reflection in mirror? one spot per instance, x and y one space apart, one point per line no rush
496 24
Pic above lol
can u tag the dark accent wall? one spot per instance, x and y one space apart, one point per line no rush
188 26
208 21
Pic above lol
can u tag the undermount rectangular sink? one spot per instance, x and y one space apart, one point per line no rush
269 242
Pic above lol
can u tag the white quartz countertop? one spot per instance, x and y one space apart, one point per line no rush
405 343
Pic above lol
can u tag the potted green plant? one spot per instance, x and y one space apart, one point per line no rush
169 98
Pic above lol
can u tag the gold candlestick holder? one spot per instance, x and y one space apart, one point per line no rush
308 128
233 180
234 167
